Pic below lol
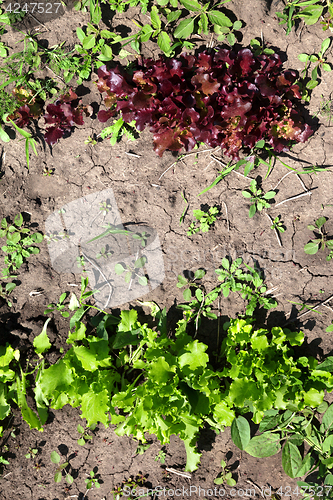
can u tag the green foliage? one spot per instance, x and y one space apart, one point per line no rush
320 63
164 23
59 306
132 271
325 110
278 224
31 453
55 458
306 441
118 129
266 373
6 290
20 244
252 160
257 198
258 48
92 480
84 434
225 476
29 140
309 11
250 285
321 242
200 304
205 220
160 457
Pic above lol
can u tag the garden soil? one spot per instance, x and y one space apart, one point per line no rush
148 190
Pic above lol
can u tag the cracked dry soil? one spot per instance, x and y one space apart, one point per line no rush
142 196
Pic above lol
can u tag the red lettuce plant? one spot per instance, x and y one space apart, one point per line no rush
29 107
224 99
62 116
59 118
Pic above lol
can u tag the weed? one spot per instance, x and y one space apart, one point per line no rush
141 448
278 224
55 458
132 273
60 306
257 198
250 285
84 434
6 290
205 220
304 306
31 453
326 110
320 63
258 48
38 465
310 11
104 252
225 476
80 262
321 242
160 457
128 487
92 480
329 329
105 207
29 140
182 217
118 129
48 171
200 302
20 244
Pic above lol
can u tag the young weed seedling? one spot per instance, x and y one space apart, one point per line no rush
205 220
59 306
314 245
200 303
31 453
55 458
278 225
257 198
225 476
132 271
104 252
92 480
84 434
320 64
325 110
160 457
5 291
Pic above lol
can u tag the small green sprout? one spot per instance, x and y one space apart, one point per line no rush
225 476
278 225
313 246
55 458
257 198
205 220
